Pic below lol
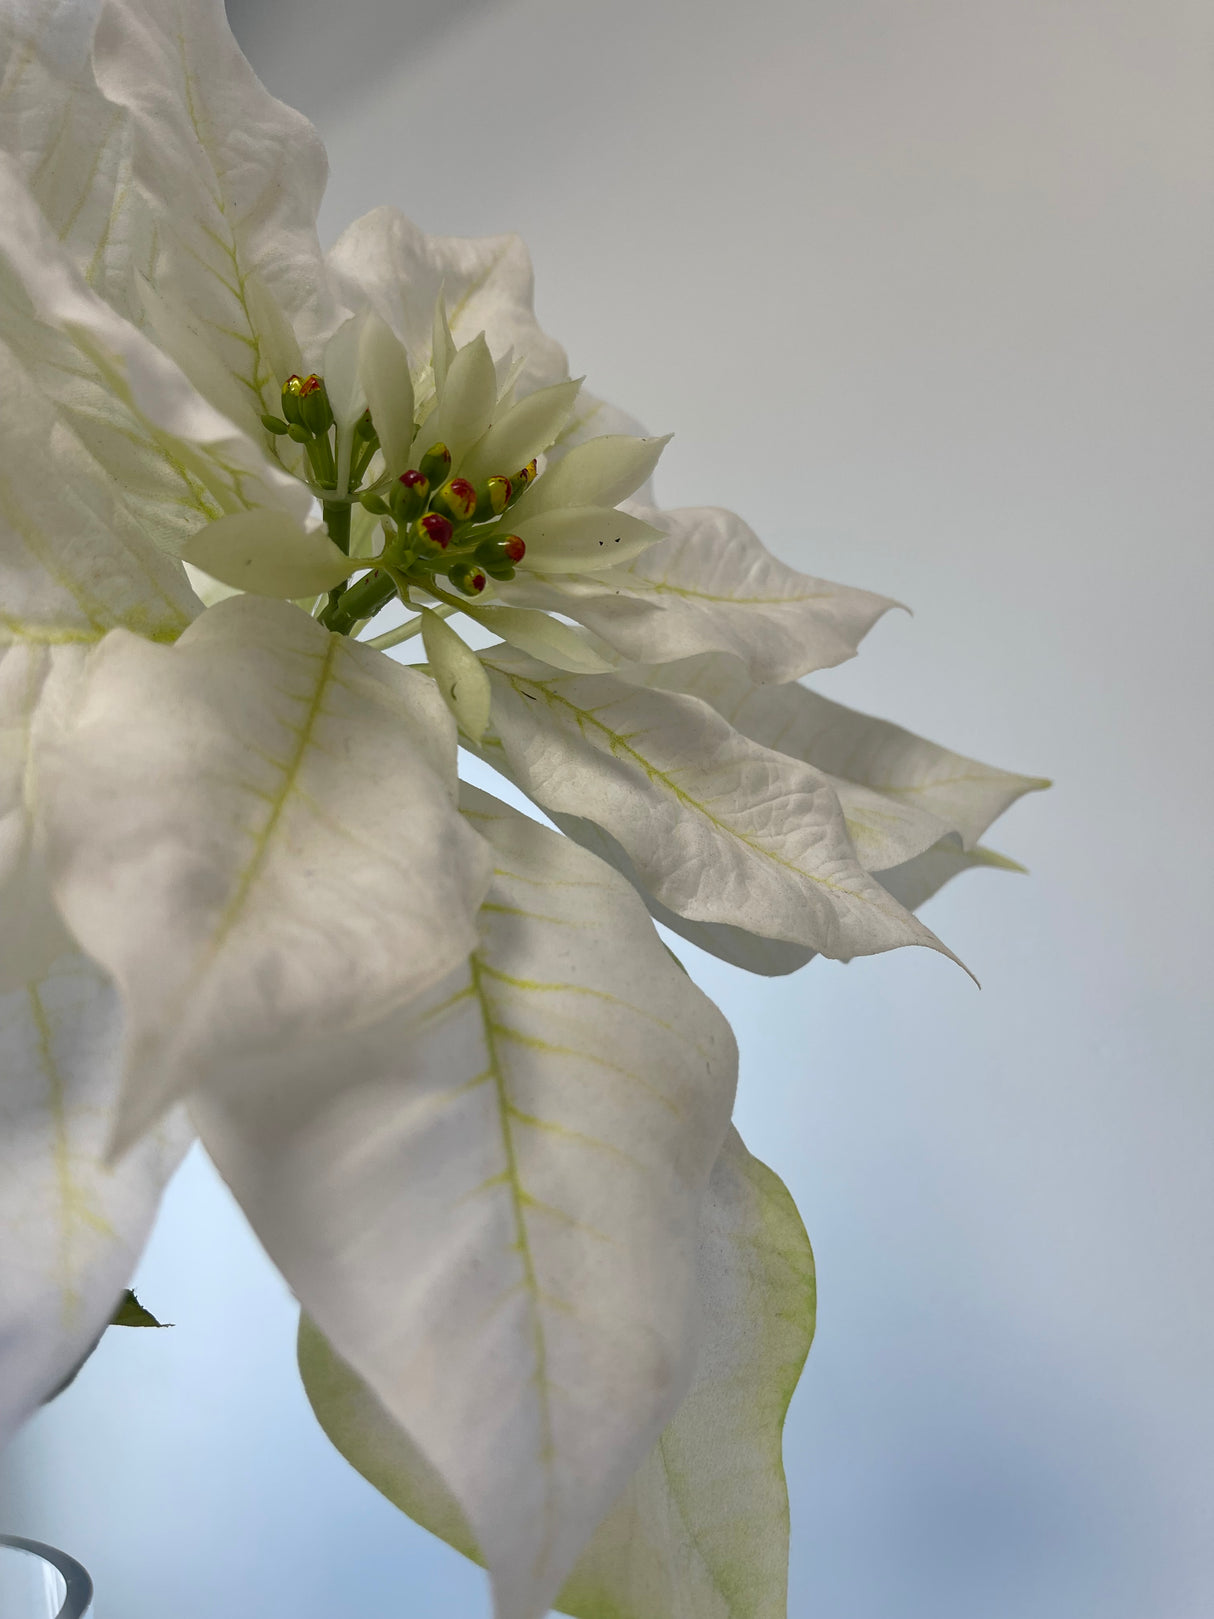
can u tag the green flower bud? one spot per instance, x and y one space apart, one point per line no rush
273 424
300 433
502 551
290 400
375 504
436 463
504 574
469 581
495 497
408 495
364 428
314 408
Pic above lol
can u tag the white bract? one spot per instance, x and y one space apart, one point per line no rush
476 1112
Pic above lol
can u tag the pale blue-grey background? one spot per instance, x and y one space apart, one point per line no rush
924 291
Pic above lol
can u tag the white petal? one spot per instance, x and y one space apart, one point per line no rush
443 344
718 828
711 586
384 366
458 673
385 260
230 178
36 683
465 406
522 432
254 831
270 554
545 638
701 1529
497 1228
71 1226
769 958
74 562
915 882
69 141
116 393
915 777
600 472
340 368
579 539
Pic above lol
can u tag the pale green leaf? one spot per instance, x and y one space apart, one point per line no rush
496 1226
130 1313
701 1529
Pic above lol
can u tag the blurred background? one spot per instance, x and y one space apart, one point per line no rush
923 291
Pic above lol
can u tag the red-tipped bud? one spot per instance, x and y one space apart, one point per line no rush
501 551
433 531
408 495
470 581
436 463
456 500
314 408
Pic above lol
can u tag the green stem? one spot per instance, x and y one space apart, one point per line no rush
406 631
363 600
337 521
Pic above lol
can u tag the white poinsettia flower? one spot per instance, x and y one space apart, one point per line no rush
474 1109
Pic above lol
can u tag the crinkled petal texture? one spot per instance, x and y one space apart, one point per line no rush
712 586
717 828
230 181
384 260
701 1529
496 1226
71 144
912 777
105 391
75 562
255 832
913 810
71 1226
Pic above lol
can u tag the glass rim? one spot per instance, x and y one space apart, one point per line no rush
75 1575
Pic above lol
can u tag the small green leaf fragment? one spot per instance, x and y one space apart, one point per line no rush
130 1313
